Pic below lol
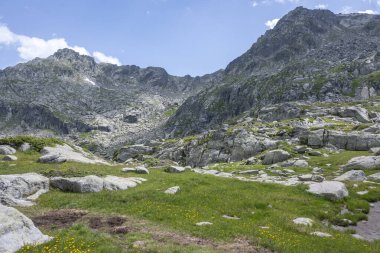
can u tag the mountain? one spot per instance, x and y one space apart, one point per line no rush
70 94
311 55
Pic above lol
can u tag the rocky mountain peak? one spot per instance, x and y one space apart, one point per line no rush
77 60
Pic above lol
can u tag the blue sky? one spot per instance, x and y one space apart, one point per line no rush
184 36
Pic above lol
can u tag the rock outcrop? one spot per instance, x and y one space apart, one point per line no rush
332 190
17 230
94 183
22 189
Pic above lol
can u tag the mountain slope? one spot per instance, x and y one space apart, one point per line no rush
68 93
311 55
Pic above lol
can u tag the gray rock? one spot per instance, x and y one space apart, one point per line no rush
374 177
128 169
275 156
360 114
356 141
303 221
317 170
320 234
138 170
301 149
78 184
332 190
375 151
133 151
295 163
352 175
249 172
203 223
52 158
10 158
228 217
25 147
142 170
251 160
362 163
7 150
65 153
17 230
113 183
362 192
305 177
314 153
175 169
22 189
173 190
317 178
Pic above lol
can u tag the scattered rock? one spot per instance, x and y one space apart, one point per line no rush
175 169
133 151
255 172
203 223
94 183
78 184
358 113
230 217
303 221
359 237
320 234
301 149
113 183
10 158
138 170
374 177
362 163
142 170
17 230
65 153
314 153
55 158
173 190
375 151
362 192
275 156
317 170
22 189
7 150
25 147
332 190
353 175
295 163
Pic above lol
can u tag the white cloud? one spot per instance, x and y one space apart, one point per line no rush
346 10
272 23
321 6
378 2
372 12
32 47
106 59
254 3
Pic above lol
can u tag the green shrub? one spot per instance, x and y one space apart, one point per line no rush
36 142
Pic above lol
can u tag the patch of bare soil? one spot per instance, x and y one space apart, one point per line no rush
117 225
58 219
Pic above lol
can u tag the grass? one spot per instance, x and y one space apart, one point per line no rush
205 198
36 142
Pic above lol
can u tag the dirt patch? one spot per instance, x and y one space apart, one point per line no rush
123 225
58 219
67 217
